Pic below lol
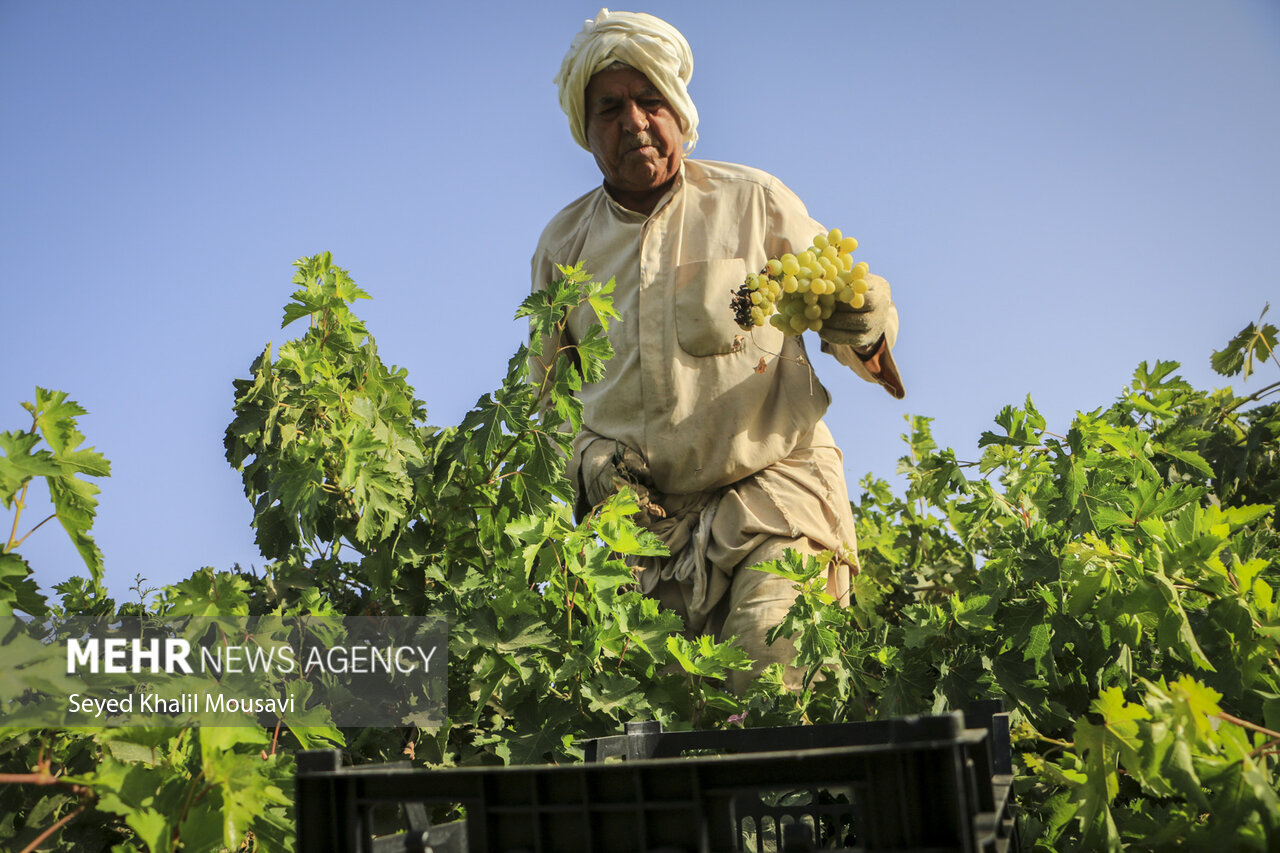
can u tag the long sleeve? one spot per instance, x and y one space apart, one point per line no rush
879 365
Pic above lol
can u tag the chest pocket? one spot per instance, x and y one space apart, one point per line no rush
704 320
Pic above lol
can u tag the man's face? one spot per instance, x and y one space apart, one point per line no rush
633 132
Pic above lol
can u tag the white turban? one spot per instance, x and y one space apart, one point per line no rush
648 44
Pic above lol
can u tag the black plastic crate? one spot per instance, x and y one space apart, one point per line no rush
913 784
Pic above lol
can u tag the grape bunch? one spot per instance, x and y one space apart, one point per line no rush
798 292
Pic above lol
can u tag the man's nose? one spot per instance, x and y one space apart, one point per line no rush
634 119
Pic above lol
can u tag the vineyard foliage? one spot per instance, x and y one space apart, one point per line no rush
1114 585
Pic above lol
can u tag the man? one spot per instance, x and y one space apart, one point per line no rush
720 428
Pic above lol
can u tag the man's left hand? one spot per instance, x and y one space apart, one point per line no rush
861 328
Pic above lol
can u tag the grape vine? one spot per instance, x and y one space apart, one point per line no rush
1113 582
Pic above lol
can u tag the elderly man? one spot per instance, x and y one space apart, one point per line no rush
721 429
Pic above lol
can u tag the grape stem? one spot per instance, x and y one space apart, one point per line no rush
798 359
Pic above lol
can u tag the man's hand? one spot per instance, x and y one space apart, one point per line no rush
860 328
612 465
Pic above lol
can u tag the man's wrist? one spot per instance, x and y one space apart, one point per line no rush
867 353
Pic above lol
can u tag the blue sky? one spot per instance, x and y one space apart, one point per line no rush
1056 192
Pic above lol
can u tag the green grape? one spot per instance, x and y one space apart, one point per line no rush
797 292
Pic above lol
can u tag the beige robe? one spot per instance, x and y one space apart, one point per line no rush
729 421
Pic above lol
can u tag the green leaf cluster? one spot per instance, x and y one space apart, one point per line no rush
1058 571
326 436
1114 584
143 788
49 451
1172 771
364 509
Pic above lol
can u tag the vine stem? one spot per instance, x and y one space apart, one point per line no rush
44 777
1223 715
1252 398
572 594
50 517
19 505
1266 749
48 833
191 799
